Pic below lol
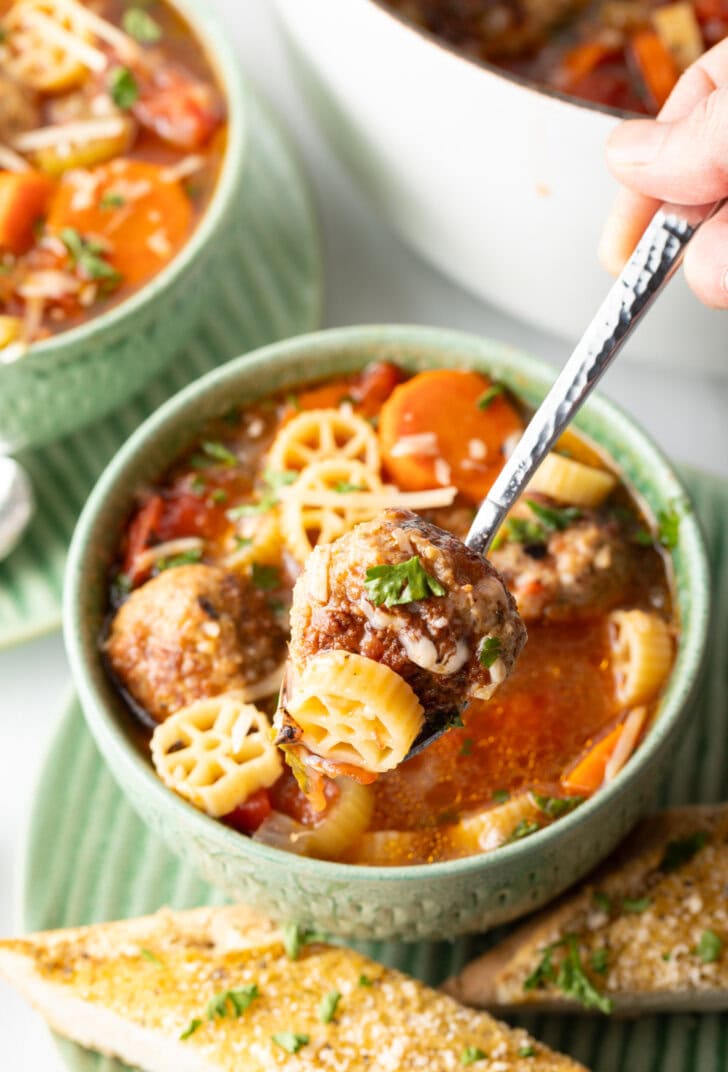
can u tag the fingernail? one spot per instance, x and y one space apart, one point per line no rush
637 142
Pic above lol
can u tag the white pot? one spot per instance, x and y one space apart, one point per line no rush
501 186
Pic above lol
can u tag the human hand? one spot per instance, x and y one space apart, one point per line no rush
681 157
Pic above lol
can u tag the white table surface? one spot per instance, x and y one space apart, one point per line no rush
371 277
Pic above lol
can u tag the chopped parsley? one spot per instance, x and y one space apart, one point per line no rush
218 452
643 537
527 1051
403 583
466 747
295 937
554 518
184 558
193 1025
636 905
290 1041
328 1005
555 807
243 541
490 650
682 850
279 479
229 1004
569 977
602 900
198 485
266 503
523 829
599 960
265 577
522 530
141 26
709 947
112 200
500 796
471 1054
345 486
219 496
121 586
123 87
87 256
364 980
668 522
151 957
488 397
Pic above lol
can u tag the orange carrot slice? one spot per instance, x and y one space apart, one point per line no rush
588 774
23 199
656 65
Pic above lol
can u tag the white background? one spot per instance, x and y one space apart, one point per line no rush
370 277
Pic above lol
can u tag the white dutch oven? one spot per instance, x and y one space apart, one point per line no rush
502 186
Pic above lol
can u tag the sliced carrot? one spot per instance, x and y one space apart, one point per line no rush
465 421
656 65
23 199
588 774
581 61
141 218
328 396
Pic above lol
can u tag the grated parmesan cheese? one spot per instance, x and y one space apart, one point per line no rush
147 558
185 167
422 443
75 133
12 161
159 244
390 497
443 472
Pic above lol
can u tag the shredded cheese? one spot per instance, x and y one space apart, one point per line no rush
422 443
390 497
267 686
146 559
11 161
49 283
68 41
159 244
75 133
125 45
185 167
626 744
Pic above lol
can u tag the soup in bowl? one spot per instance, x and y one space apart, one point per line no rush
179 591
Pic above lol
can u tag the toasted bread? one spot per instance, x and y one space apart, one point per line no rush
649 928
141 990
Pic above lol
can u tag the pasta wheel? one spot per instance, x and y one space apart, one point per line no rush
356 711
50 46
305 525
572 482
641 655
262 538
339 828
216 752
318 434
482 831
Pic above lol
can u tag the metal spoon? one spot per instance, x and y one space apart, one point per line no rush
16 504
653 263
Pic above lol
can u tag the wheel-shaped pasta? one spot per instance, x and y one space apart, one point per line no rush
351 710
216 753
569 481
642 652
306 523
49 45
337 831
487 829
318 434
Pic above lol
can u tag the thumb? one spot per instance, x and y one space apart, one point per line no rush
685 162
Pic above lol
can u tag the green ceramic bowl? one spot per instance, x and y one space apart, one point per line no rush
79 375
434 900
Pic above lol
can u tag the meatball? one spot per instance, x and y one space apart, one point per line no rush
191 632
585 570
18 109
459 635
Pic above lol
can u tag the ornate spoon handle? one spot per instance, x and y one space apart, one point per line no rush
651 266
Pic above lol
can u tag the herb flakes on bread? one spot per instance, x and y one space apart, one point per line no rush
214 990
647 932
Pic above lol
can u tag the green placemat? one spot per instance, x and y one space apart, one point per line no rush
89 858
271 289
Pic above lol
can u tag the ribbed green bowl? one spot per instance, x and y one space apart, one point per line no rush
427 901
79 375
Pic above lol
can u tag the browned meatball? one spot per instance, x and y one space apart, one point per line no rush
585 570
18 109
458 637
190 632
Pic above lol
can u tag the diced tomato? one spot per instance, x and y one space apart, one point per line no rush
580 61
374 386
611 85
179 109
248 816
185 514
140 531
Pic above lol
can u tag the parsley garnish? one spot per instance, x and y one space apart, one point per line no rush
523 530
111 200
488 397
500 796
192 1026
121 585
295 937
86 255
682 850
599 960
403 583
471 1054
602 900
265 577
184 558
151 957
364 980
557 806
466 747
669 523
141 26
276 480
218 496
290 1041
123 87
243 541
344 487
527 1051
555 519
636 905
266 503
709 947
218 452
643 537
229 1004
570 977
328 1005
198 485
490 650
523 829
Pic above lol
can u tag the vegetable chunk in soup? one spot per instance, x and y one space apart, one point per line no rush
202 603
